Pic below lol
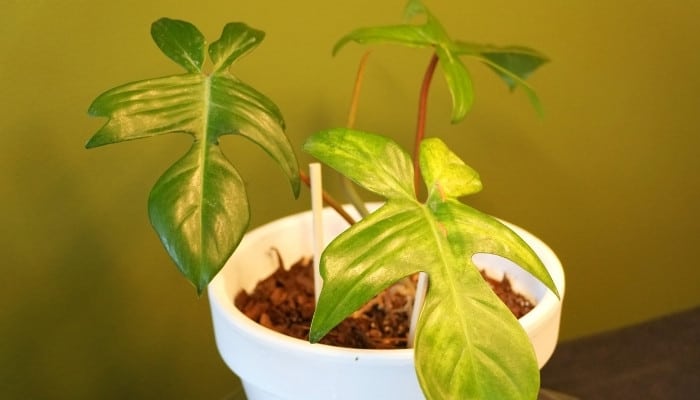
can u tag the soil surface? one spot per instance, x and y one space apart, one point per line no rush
284 302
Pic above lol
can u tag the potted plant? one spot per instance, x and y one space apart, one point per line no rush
467 343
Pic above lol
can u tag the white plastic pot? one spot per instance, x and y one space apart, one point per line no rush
273 366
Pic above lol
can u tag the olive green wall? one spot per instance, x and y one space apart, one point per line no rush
92 307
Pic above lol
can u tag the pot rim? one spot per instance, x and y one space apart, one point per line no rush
223 301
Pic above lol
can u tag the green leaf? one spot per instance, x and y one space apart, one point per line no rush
445 174
235 107
513 64
475 232
181 41
151 107
199 207
414 8
459 84
484 352
407 35
519 61
346 149
367 258
237 39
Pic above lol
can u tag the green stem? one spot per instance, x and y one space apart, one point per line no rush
422 113
348 186
352 114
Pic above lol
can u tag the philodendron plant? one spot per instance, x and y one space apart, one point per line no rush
199 207
468 344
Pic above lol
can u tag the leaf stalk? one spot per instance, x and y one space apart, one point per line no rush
349 188
422 117
328 199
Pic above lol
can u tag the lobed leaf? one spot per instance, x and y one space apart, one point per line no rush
472 232
151 107
407 35
445 174
181 41
513 64
517 60
199 207
459 84
237 108
484 352
347 150
237 39
430 34
367 258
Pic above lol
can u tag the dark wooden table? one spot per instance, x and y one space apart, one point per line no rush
656 360
659 359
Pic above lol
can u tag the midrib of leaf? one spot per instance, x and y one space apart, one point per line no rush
442 278
206 106
446 275
505 71
379 242
191 60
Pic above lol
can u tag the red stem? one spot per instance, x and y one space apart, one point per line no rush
329 200
422 113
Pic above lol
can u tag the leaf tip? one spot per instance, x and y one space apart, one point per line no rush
460 109
97 140
296 185
313 339
91 144
412 9
339 45
457 117
315 335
